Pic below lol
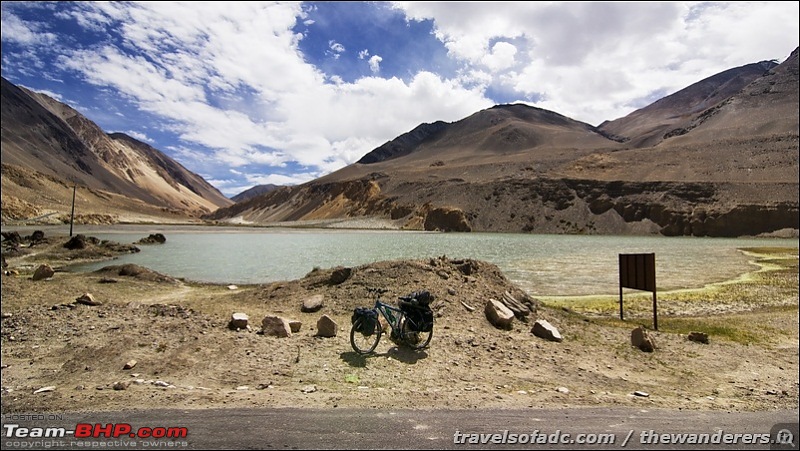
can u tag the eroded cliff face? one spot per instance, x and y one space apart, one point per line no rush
537 205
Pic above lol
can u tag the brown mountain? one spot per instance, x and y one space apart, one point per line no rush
50 142
254 192
654 123
718 158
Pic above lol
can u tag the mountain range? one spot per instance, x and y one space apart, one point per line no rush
718 158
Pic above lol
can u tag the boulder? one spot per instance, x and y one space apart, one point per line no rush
312 304
543 329
498 314
642 340
238 320
275 326
327 327
44 271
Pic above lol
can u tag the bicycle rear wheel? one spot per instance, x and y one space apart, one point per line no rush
364 343
414 339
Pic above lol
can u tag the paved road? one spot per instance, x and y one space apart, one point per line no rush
400 429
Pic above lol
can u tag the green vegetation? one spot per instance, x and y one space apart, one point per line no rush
735 310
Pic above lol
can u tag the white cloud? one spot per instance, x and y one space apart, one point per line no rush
336 49
363 54
589 60
501 57
290 115
375 63
139 136
26 33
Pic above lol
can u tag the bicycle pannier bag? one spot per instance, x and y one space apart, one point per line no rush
370 318
422 297
421 319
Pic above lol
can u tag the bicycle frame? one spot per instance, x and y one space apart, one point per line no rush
392 314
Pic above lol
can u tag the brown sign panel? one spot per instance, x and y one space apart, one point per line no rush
637 271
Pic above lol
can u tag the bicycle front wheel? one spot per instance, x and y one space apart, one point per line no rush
364 343
415 339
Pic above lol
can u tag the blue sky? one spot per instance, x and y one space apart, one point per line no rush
248 93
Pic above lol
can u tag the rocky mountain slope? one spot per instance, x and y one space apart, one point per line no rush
719 158
51 142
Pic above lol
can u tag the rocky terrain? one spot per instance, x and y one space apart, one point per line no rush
126 337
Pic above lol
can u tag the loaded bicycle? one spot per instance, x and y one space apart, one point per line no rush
411 322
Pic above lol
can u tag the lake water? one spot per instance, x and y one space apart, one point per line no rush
544 265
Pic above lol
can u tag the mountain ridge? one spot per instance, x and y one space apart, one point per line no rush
51 138
717 170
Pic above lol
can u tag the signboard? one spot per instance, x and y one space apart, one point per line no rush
638 271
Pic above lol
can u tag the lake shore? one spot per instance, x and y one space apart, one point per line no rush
59 355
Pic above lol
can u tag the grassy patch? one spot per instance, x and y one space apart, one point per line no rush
739 310
774 283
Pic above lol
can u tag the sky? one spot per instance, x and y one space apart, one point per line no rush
250 93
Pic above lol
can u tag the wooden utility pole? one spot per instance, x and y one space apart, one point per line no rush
72 215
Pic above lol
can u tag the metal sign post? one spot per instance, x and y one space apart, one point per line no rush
638 271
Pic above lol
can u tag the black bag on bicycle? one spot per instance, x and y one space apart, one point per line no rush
369 319
420 318
423 298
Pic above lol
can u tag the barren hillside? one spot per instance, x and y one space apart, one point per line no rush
50 140
724 164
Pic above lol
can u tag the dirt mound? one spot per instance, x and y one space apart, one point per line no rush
136 271
448 280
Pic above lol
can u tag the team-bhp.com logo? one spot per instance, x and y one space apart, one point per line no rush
97 430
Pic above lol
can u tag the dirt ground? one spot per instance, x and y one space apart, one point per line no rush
61 356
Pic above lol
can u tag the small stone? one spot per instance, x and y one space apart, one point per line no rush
309 389
129 365
326 327
698 337
88 299
120 385
641 394
243 387
312 304
543 329
43 272
563 390
642 340
45 389
238 320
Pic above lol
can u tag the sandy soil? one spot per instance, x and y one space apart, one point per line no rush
60 356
